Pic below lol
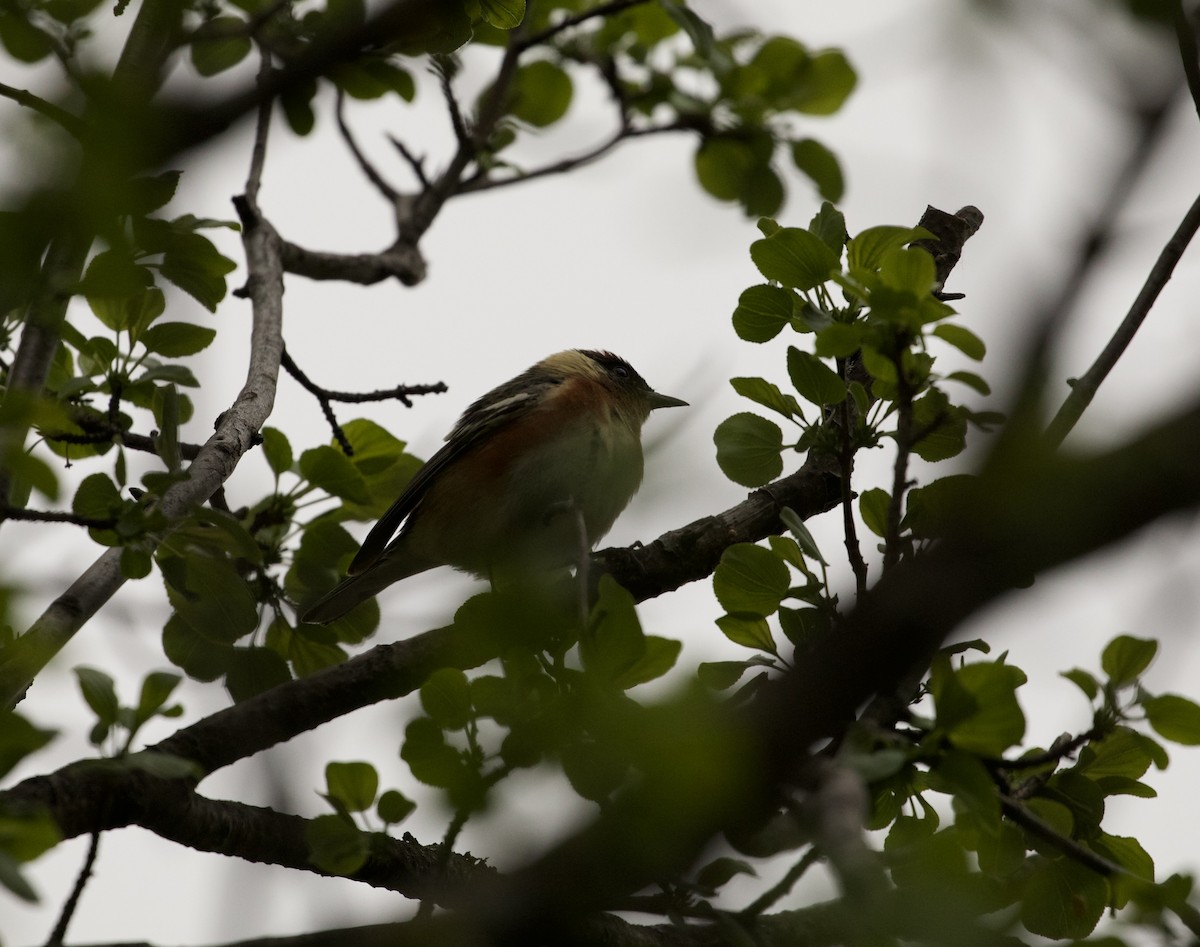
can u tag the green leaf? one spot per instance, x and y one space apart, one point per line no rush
1063 899
353 785
750 580
446 697
962 339
615 643
762 194
767 394
724 166
748 449
803 626
1129 854
177 339
1174 718
1084 681
24 41
113 273
277 449
157 688
251 671
762 313
372 78
335 845
296 100
18 739
968 779
503 14
1124 786
873 507
794 257
211 597
824 85
220 44
813 379
720 871
540 93
203 659
971 380
699 31
944 426
332 471
908 269
428 757
1122 753
99 692
821 165
721 675
977 705
830 225
803 537
933 508
866 250
193 264
1125 658
394 806
657 659
97 498
749 631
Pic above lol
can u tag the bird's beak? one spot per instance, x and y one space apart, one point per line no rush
655 400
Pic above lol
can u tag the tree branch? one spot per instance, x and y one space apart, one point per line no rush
401 261
234 435
69 122
1084 389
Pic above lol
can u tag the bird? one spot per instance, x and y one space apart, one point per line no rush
531 477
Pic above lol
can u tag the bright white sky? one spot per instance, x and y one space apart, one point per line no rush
955 106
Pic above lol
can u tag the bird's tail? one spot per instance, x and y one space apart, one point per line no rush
358 588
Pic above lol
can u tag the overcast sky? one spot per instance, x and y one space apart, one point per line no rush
1020 117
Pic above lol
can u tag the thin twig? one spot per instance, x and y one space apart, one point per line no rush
68 910
786 883
324 396
69 122
569 164
846 473
258 156
444 67
604 9
322 399
1062 747
1084 389
1035 825
367 168
904 443
417 164
1185 35
54 516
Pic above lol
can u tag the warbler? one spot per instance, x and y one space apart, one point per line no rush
531 477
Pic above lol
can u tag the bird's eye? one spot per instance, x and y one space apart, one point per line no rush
620 371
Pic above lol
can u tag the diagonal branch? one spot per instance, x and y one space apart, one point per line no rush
60 116
215 462
1084 389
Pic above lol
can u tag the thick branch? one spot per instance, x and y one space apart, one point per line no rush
400 261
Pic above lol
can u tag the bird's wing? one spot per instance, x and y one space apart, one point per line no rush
494 410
